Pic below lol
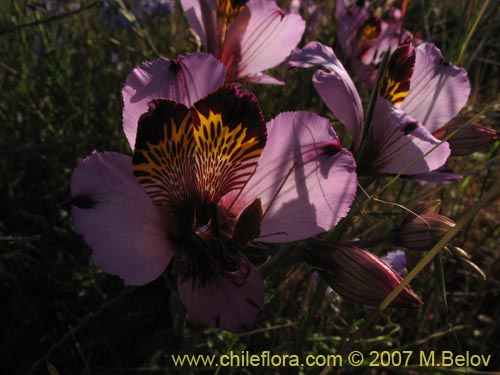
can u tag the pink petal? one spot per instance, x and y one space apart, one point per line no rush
185 80
264 79
396 259
441 176
201 15
335 86
261 36
350 18
164 153
224 303
305 180
389 38
118 220
398 140
438 89
230 134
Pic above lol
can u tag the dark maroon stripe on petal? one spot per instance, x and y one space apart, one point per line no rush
163 156
395 84
229 133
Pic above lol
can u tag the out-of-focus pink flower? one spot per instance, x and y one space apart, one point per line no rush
365 34
419 93
248 37
310 10
358 274
207 176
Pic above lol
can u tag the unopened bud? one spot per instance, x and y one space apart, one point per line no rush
469 139
359 275
427 207
422 232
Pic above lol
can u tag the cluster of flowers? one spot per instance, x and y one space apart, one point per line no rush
208 176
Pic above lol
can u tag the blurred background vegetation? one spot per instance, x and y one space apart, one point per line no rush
62 68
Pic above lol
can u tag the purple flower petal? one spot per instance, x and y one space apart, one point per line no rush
201 15
396 259
335 87
350 18
230 134
261 36
438 89
389 37
118 220
209 149
224 302
305 180
264 79
395 83
398 140
441 176
185 80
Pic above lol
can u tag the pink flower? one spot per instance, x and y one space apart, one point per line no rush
365 35
207 176
419 93
248 37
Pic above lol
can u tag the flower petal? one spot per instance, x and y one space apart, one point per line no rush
209 149
230 134
336 88
398 140
201 15
117 219
164 154
350 17
395 83
184 80
264 79
396 259
305 180
372 50
224 303
261 36
441 176
438 89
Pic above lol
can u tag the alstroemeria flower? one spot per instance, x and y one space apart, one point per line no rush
207 176
365 35
248 37
419 93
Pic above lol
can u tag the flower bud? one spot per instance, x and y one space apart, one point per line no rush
358 274
422 232
470 138
427 207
